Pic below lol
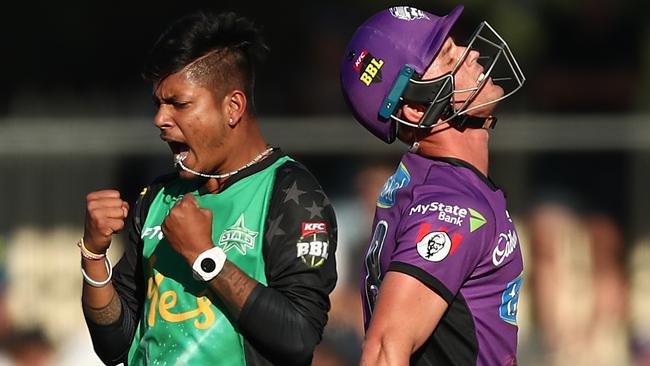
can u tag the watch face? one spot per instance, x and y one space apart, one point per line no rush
208 265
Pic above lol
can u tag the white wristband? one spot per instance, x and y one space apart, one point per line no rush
208 264
99 284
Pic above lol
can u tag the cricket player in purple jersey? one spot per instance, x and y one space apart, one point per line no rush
443 271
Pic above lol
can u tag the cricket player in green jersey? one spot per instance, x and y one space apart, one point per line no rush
229 260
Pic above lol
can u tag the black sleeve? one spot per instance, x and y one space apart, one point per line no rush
112 342
285 320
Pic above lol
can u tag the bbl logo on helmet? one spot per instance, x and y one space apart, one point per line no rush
369 68
313 244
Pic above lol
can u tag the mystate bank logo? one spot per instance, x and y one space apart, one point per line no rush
451 214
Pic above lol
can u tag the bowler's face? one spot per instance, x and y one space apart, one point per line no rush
191 121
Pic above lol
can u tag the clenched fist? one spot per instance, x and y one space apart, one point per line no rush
188 228
105 215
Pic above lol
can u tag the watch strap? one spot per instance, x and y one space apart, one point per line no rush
208 264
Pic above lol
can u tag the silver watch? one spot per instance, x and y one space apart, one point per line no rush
208 264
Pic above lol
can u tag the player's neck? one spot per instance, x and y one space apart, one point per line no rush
245 147
470 146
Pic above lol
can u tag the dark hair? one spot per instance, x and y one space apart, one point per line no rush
232 47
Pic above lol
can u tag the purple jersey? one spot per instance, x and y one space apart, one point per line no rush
444 223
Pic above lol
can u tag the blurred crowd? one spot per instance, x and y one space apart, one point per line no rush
40 299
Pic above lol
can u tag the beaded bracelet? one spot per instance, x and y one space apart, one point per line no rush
99 284
87 253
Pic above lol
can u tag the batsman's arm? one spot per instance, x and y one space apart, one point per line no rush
394 333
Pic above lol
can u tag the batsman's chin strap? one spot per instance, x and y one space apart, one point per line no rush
460 122
465 121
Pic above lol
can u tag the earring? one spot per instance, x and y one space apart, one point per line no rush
230 120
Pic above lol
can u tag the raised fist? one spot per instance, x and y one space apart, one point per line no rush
188 228
105 216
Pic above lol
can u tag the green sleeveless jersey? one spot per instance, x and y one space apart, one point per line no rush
182 323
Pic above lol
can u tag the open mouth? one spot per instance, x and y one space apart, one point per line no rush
179 149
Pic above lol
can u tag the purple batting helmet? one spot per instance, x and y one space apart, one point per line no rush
377 54
389 54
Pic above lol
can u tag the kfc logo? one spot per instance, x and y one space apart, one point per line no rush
309 228
359 61
435 246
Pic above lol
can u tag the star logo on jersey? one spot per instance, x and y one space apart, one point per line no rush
238 236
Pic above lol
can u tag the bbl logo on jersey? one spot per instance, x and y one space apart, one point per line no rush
238 236
388 194
313 244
